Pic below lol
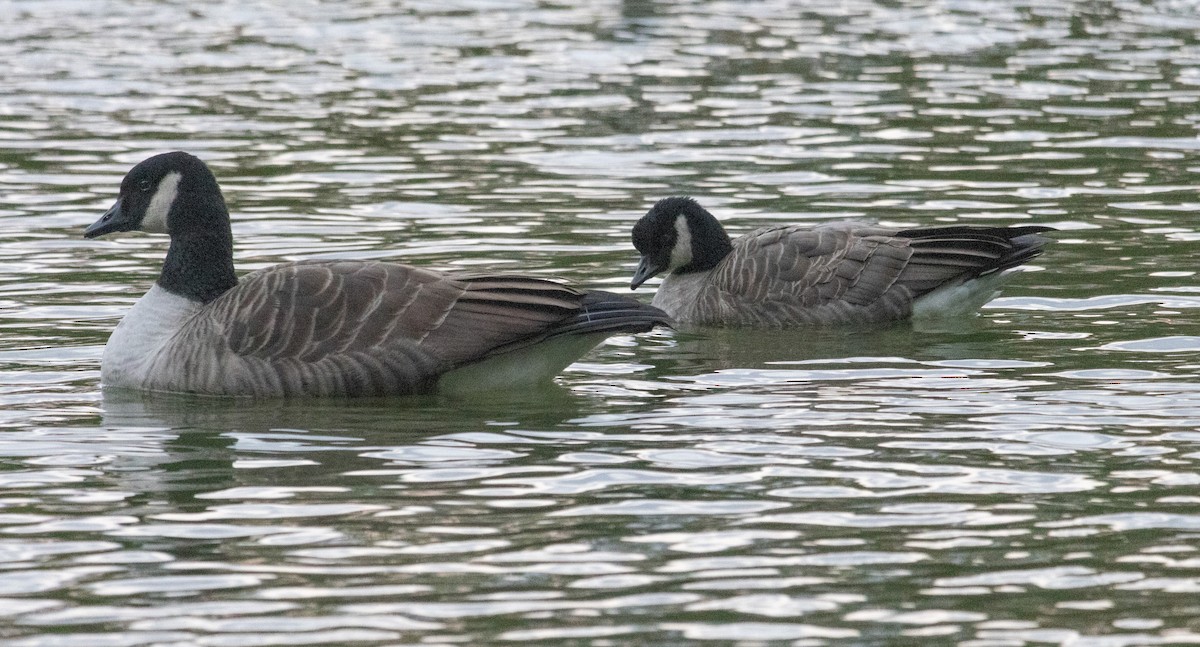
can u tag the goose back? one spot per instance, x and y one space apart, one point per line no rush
347 328
840 274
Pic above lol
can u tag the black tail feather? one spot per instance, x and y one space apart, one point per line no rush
606 312
986 249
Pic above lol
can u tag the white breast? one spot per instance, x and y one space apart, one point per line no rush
142 336
679 294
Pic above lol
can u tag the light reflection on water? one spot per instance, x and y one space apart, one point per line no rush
1027 477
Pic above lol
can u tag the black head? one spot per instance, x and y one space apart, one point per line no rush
150 192
176 194
679 235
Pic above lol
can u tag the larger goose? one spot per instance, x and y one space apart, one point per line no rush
329 328
836 274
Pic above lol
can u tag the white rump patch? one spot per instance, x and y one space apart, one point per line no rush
681 253
155 220
959 298
523 367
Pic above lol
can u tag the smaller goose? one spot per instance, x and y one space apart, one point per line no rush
329 328
834 274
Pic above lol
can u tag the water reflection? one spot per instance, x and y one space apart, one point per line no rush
1025 477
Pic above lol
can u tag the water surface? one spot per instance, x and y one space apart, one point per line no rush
1025 477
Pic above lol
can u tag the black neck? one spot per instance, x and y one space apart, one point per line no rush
199 263
710 243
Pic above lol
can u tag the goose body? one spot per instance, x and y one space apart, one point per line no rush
330 328
834 274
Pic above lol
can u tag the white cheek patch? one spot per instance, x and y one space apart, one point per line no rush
681 253
155 220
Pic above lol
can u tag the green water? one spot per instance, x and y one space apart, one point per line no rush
1026 477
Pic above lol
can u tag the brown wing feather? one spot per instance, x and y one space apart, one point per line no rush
492 313
793 275
358 328
846 273
312 310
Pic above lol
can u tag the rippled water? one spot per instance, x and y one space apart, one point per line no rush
1028 477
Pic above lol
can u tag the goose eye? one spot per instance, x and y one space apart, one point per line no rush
145 185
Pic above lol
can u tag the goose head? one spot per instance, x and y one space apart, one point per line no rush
153 192
176 194
680 236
